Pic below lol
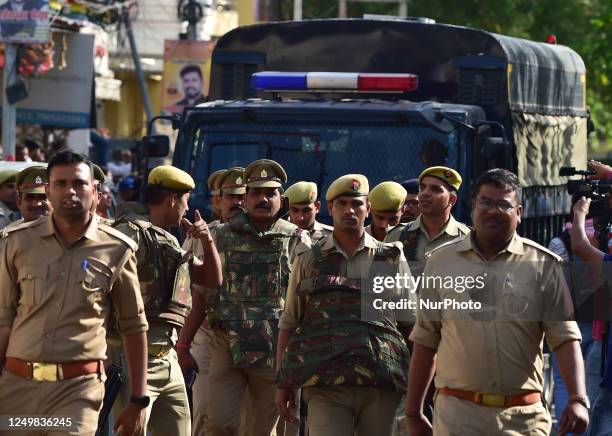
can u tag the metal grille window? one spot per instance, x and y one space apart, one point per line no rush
323 150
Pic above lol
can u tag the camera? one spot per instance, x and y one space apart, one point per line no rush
598 191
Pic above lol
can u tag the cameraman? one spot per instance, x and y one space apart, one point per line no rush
601 415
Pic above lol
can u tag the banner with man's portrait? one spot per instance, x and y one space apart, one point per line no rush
186 74
24 21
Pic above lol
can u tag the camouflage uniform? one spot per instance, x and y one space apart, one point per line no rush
163 272
352 370
243 316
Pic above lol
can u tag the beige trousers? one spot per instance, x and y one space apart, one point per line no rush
79 399
226 388
455 417
349 410
168 413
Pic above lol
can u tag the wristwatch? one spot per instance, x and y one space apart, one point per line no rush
140 401
584 400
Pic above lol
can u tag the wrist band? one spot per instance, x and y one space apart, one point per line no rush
182 346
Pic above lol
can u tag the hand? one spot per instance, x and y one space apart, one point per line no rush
575 419
418 425
582 206
197 230
131 421
602 171
285 404
186 362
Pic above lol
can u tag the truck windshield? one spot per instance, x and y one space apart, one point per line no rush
321 152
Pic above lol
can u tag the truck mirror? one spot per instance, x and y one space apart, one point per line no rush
156 145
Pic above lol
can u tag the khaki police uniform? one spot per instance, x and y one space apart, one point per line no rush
424 242
56 299
417 241
244 312
496 350
231 181
168 411
341 407
7 215
306 193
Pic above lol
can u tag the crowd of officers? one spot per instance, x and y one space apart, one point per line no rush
265 311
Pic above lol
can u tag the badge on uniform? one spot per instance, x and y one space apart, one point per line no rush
38 180
239 181
263 174
355 185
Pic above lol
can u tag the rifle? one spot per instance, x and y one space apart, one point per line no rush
112 386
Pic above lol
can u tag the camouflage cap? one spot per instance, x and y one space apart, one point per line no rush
387 197
232 181
7 176
98 174
448 175
212 179
32 180
170 177
265 173
302 192
355 185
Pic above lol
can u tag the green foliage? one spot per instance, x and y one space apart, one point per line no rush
583 25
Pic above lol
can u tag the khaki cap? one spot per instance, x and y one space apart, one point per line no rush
387 197
98 174
446 174
212 179
265 173
355 185
7 176
232 181
170 177
32 180
302 192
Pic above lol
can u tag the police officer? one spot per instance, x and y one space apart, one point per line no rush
31 195
411 211
100 181
489 359
256 248
215 195
303 209
164 274
436 225
353 386
8 197
57 278
193 353
387 200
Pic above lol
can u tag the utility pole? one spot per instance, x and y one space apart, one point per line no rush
9 111
144 91
297 10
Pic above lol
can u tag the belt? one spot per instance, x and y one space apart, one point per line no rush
158 350
52 371
494 400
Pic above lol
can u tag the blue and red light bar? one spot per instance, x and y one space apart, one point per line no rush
356 82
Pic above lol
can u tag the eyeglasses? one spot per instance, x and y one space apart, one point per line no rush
412 202
484 204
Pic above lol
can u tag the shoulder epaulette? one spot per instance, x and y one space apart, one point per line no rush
25 225
444 245
541 248
119 235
